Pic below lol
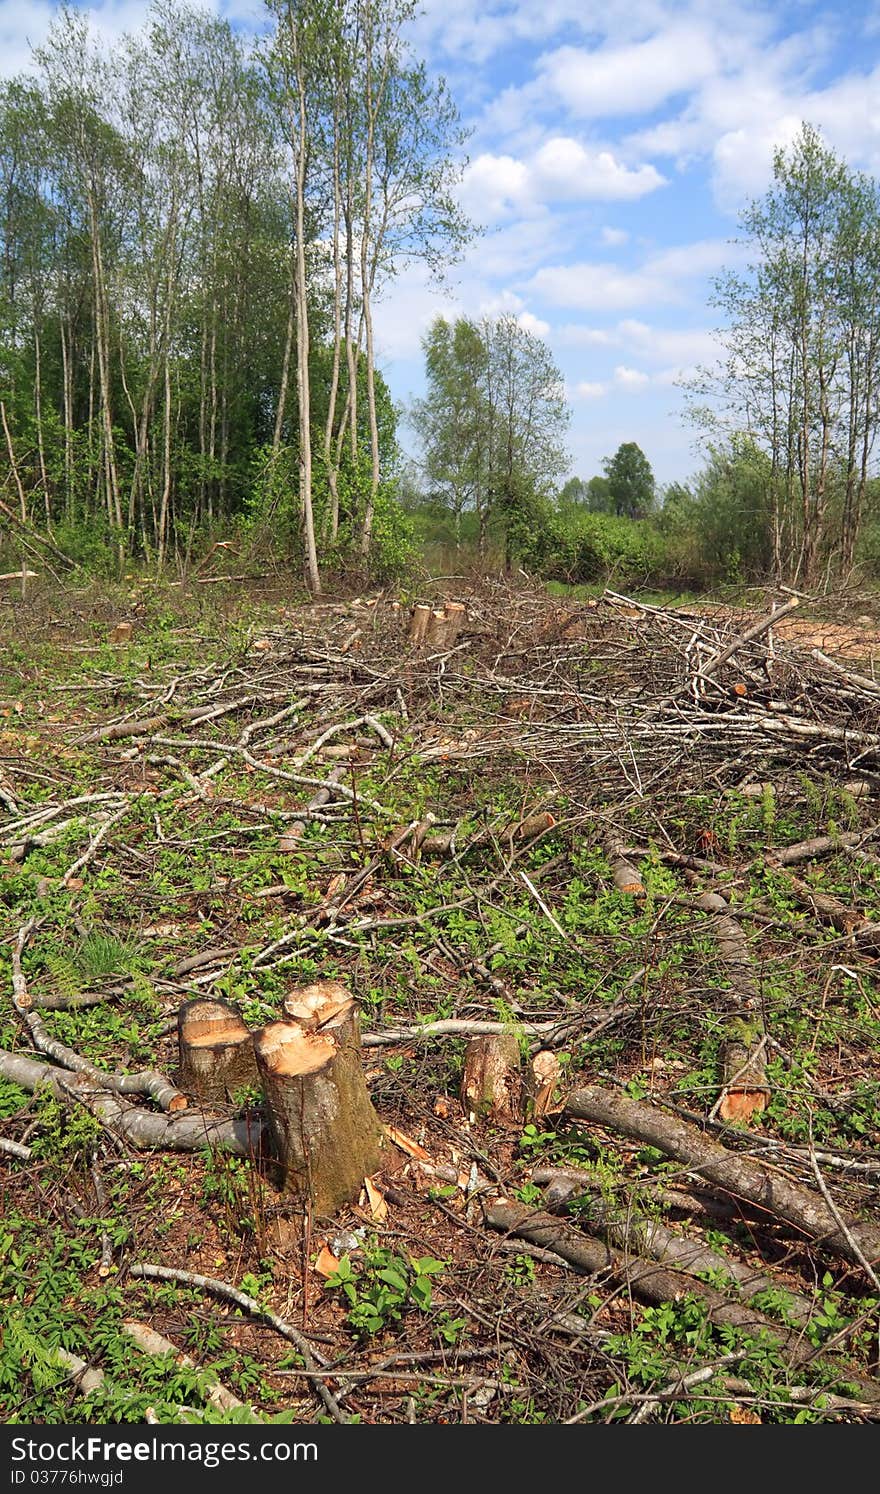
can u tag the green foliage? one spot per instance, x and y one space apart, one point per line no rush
630 479
576 545
384 1287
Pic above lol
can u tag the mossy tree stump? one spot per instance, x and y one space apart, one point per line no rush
327 1135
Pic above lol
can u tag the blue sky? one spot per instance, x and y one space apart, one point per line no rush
613 146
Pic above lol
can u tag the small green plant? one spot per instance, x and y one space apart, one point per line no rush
384 1287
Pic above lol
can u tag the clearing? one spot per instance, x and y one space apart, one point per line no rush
640 844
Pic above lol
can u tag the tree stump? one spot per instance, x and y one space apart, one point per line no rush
491 1086
744 1080
439 627
418 625
435 635
542 1077
456 617
216 1050
327 1135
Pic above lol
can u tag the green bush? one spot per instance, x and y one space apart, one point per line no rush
577 546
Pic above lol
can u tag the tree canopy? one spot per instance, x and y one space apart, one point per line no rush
631 487
193 232
493 421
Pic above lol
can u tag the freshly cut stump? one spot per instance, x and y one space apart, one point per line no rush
745 1082
327 1135
421 616
491 1086
216 1050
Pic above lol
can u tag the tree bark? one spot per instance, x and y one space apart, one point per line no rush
656 1283
183 1131
491 1084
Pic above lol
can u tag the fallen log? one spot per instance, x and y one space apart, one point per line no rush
183 1131
832 910
657 1284
147 1082
624 875
743 1076
327 1135
738 1175
519 832
618 1225
156 1344
819 845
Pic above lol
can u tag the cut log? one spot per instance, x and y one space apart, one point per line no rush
741 1176
743 1076
185 1131
530 827
327 1135
216 1050
491 1085
625 876
744 1080
614 1221
657 1283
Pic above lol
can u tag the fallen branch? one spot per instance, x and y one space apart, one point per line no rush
619 1225
737 1175
744 1077
147 1082
150 1342
658 1284
185 1131
217 1288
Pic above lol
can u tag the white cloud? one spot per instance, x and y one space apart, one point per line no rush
586 390
614 236
598 287
24 24
493 186
564 170
682 345
533 324
661 279
630 378
678 346
561 170
631 79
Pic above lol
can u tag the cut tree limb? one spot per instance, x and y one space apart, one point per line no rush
150 1342
616 1223
624 875
187 1131
147 1082
656 1283
744 1078
738 1175
148 1271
